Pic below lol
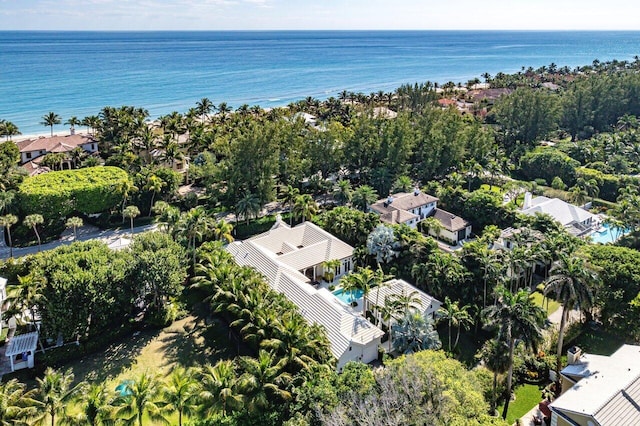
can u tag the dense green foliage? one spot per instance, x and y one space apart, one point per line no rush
57 194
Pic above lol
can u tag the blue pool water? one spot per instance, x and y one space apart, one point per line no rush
348 296
608 234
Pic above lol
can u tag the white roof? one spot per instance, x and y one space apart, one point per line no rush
399 287
610 389
3 283
22 343
278 256
561 211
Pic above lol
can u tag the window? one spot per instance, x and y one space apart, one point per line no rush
93 146
28 155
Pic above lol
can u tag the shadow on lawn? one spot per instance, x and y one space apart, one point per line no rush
197 343
112 361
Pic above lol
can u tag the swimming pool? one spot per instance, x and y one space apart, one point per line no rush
348 296
607 234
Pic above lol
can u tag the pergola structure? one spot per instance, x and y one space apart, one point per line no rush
21 350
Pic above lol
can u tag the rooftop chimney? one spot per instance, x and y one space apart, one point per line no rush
573 355
527 201
389 199
416 191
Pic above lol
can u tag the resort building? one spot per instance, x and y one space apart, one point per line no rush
577 220
292 260
599 390
412 208
398 288
33 150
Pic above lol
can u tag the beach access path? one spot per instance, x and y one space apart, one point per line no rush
85 233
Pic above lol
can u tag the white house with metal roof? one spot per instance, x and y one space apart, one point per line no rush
425 303
599 390
577 220
292 259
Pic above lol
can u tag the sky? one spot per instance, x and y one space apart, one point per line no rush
319 14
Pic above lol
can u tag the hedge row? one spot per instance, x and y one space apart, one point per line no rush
57 194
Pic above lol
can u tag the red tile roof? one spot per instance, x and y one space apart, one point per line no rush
55 143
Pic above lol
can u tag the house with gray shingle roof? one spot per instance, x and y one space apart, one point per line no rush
291 259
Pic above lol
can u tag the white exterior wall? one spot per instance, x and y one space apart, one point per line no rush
90 147
34 154
360 353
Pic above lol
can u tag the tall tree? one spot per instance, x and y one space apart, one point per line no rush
13 396
32 221
455 316
363 197
219 389
51 119
517 318
54 391
495 355
180 392
248 206
288 197
304 207
414 332
142 397
131 212
570 281
154 185
264 382
6 222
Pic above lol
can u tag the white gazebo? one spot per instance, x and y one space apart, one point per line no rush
21 350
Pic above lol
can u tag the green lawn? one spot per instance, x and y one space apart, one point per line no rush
187 342
599 341
527 397
494 188
550 305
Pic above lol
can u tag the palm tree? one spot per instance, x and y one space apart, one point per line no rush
363 197
195 225
223 231
51 119
570 281
95 406
403 184
414 332
263 381
495 355
342 192
248 206
433 226
73 122
219 389
75 223
304 207
32 221
141 397
288 197
204 106
9 129
53 394
330 267
6 222
455 316
131 212
26 295
180 393
126 188
517 317
578 195
12 399
155 185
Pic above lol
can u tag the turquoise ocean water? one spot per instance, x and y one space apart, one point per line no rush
78 73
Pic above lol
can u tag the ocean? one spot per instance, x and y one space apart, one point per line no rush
78 73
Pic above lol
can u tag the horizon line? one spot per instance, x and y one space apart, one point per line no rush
326 30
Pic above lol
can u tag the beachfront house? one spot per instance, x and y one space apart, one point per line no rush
576 220
293 261
414 207
32 151
599 390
